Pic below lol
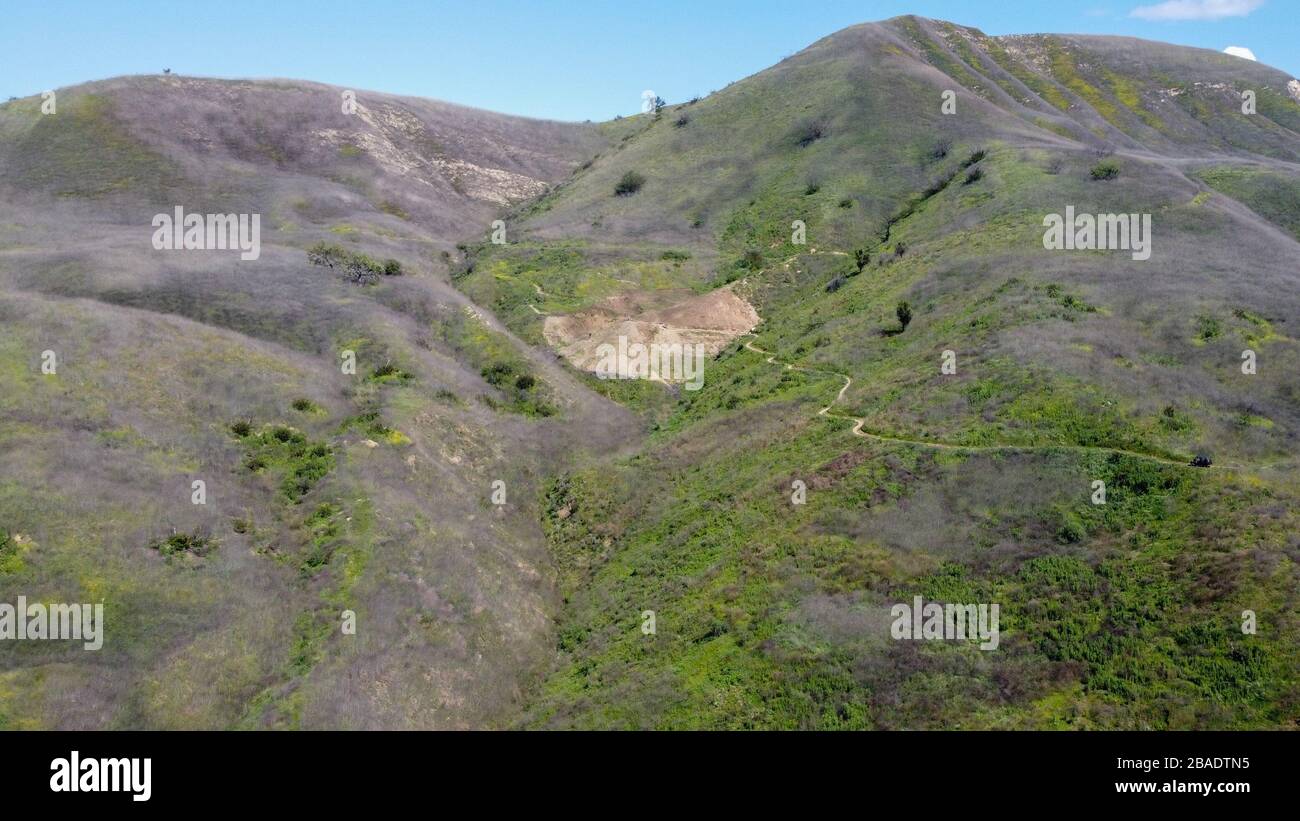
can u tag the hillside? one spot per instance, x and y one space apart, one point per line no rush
973 486
325 491
373 492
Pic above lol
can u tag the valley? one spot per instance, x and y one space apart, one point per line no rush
394 407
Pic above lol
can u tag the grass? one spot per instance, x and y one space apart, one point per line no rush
501 366
1272 195
83 151
770 615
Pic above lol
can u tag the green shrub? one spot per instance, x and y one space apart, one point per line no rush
388 372
1207 327
1105 170
629 184
194 544
752 259
323 253
904 313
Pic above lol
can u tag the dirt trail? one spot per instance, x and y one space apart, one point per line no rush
859 422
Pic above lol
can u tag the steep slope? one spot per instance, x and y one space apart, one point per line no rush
326 491
973 484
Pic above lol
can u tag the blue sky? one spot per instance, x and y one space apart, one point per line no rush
563 59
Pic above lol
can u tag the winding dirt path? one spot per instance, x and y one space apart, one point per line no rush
859 422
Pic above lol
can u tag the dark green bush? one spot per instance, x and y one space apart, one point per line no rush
195 544
629 184
904 313
1105 170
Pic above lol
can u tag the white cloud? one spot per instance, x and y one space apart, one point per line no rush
1240 51
1196 9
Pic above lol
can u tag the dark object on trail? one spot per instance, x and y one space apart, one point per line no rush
1201 462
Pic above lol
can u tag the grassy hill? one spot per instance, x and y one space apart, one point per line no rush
372 492
325 491
973 486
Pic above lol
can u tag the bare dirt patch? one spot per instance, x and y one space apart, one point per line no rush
664 317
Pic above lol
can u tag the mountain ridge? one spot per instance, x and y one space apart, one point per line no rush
373 492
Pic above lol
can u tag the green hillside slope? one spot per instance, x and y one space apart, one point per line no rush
972 486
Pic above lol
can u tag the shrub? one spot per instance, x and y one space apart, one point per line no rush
323 253
195 544
1071 530
630 183
525 382
974 175
287 435
835 284
1105 170
389 372
363 270
241 428
861 258
682 121
904 313
1207 327
940 149
846 203
811 188
809 132
392 268
675 256
305 406
497 373
752 259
